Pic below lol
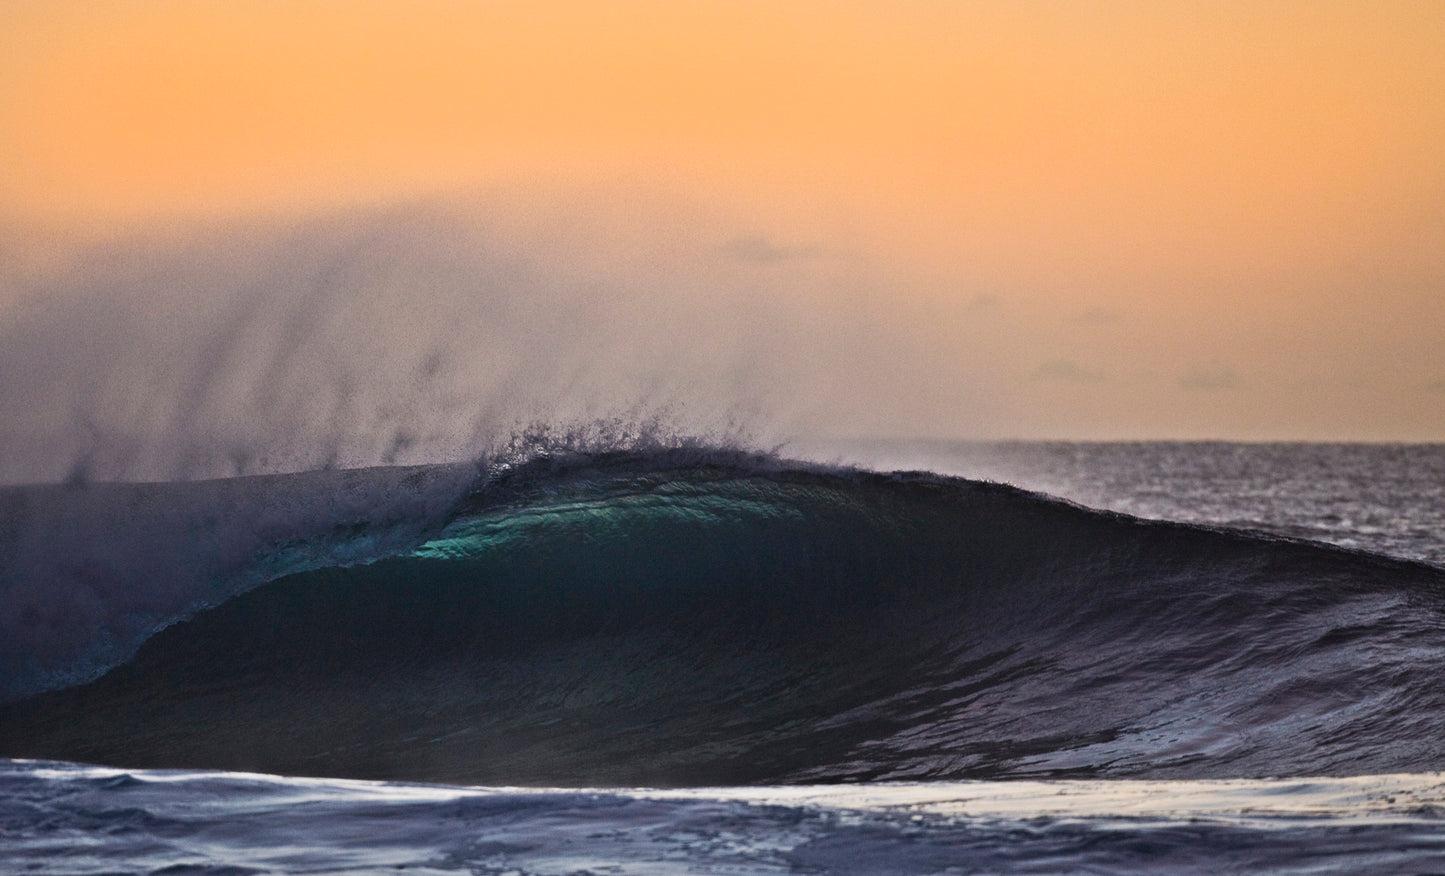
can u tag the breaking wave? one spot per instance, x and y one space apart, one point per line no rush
695 616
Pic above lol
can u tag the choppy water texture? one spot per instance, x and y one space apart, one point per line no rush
716 620
57 818
1387 498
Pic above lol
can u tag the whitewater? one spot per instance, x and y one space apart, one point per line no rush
912 657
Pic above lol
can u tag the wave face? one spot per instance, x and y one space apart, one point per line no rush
674 619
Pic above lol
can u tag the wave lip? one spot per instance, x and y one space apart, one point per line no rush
687 618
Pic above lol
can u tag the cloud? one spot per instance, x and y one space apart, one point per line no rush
1065 371
760 249
984 303
1097 316
1210 378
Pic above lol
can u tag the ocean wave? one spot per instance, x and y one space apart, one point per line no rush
700 616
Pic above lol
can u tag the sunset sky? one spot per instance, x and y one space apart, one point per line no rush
1064 219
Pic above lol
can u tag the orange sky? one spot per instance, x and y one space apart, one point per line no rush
1232 188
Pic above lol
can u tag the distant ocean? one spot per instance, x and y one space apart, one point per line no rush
676 657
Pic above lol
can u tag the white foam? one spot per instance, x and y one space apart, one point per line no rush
92 820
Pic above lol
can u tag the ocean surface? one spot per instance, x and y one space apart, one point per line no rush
898 657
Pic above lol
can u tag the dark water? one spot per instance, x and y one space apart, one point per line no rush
711 618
